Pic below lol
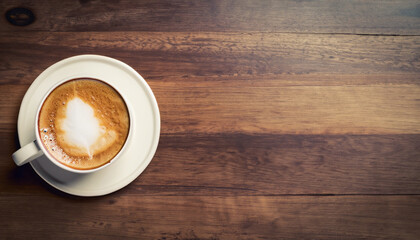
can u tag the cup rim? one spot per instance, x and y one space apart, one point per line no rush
55 161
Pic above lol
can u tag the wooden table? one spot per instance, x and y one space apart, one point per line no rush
280 119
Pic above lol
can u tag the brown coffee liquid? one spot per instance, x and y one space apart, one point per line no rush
109 112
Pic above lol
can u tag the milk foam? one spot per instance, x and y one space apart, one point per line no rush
82 128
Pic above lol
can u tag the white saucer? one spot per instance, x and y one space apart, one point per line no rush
141 145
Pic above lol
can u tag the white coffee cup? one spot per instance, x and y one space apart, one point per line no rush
36 149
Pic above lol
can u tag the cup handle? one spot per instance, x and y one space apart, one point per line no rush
27 153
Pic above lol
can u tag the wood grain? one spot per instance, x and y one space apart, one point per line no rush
273 107
269 107
239 164
183 217
340 84
164 56
322 16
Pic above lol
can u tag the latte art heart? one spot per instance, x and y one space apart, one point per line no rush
82 130
84 123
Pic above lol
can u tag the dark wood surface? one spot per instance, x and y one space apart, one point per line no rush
280 119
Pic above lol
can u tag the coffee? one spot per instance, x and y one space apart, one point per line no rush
84 123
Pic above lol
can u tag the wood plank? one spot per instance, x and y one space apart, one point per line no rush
238 164
286 164
273 106
183 217
322 16
268 107
165 56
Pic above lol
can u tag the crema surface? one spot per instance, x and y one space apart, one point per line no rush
84 123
